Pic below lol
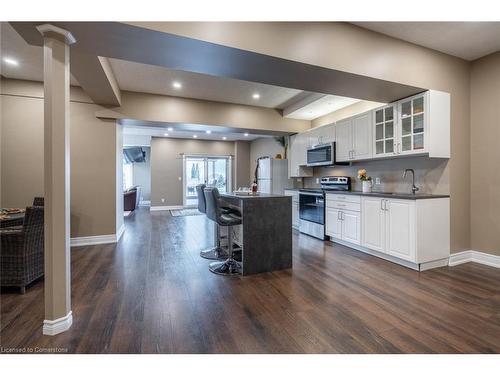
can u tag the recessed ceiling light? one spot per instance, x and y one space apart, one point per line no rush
166 134
246 134
208 131
177 85
224 138
170 129
10 61
195 136
256 96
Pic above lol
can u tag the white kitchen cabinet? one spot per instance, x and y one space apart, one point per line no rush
389 226
333 227
343 139
295 207
373 223
351 226
354 138
384 131
320 135
343 218
416 125
297 157
400 228
362 136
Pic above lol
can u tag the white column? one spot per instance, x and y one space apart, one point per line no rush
58 316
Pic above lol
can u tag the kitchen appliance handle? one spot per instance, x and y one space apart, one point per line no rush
311 194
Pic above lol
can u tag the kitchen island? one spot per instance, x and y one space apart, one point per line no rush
265 234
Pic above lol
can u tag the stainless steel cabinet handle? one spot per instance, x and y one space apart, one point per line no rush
385 205
338 215
343 215
353 154
382 204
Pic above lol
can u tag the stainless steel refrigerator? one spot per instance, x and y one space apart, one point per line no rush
272 176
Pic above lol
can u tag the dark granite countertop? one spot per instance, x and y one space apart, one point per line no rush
392 195
252 196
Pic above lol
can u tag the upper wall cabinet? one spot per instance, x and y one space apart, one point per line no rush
297 155
416 125
321 135
354 138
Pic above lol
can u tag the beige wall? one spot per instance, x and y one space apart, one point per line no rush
263 147
349 48
485 154
166 165
93 177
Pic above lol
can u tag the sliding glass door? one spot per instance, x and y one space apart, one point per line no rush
209 170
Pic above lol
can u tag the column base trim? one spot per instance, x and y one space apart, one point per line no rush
57 326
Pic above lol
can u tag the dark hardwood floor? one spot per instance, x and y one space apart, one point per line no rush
152 293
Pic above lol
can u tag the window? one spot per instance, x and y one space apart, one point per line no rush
128 175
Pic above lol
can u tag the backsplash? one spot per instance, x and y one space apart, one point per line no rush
431 175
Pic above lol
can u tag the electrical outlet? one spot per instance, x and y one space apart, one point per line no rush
377 180
163 200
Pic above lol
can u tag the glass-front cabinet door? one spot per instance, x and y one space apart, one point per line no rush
411 122
385 131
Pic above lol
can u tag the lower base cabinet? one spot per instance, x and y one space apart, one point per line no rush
343 220
295 207
389 226
415 232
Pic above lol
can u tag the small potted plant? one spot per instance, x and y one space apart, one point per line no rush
366 181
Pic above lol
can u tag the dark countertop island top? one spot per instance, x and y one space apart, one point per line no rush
252 196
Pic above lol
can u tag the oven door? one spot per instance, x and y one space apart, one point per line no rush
321 155
312 207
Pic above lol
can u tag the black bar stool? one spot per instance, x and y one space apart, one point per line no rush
227 219
217 252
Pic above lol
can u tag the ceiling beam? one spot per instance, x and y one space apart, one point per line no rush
299 104
132 43
93 73
96 78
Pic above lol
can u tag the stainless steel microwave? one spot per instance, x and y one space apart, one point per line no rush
321 155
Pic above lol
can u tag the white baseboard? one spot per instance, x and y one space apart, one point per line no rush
165 208
54 327
98 240
476 257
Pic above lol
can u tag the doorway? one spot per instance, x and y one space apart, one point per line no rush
209 170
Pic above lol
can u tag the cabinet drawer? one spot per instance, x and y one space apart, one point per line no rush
343 205
343 198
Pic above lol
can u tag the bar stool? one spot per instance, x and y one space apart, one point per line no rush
214 212
217 252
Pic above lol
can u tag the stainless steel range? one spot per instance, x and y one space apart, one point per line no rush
312 205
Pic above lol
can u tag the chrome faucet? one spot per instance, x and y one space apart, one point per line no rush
414 187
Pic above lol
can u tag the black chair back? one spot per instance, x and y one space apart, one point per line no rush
212 201
38 201
202 205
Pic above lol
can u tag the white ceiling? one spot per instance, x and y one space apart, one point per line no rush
467 40
29 58
321 107
152 79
